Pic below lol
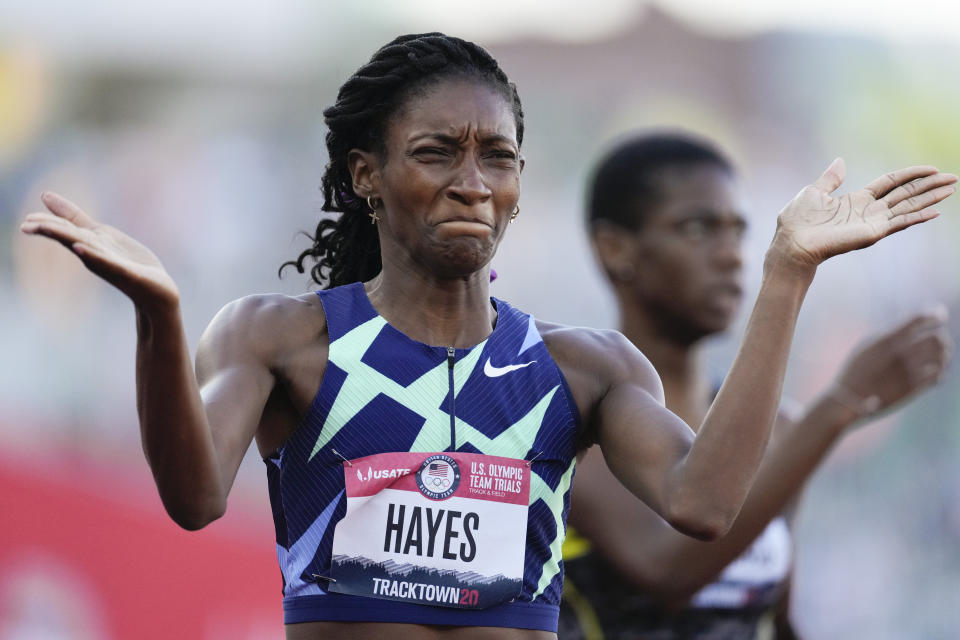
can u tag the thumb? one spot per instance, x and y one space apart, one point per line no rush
832 177
933 316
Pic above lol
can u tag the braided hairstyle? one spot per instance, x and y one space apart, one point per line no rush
346 247
626 182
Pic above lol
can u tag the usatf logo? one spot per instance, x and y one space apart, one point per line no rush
438 477
376 474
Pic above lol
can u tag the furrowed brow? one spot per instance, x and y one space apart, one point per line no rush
446 138
495 138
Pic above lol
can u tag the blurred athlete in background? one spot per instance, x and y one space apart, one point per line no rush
667 227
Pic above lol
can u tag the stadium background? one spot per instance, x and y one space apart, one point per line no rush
196 127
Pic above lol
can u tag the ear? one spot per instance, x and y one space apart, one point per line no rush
615 249
364 169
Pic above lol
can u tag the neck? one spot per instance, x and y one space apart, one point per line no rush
686 386
449 312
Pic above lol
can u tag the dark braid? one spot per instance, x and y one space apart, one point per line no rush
347 247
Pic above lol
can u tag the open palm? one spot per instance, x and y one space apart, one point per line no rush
106 251
817 225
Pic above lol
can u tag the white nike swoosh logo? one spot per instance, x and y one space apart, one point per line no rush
496 372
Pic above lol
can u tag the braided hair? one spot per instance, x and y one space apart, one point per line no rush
346 247
626 182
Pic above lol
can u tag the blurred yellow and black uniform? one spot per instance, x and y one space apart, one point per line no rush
600 604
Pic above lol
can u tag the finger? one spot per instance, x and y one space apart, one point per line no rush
902 221
921 323
935 315
917 187
886 183
929 357
41 221
915 339
928 374
923 200
948 349
936 340
57 229
929 340
45 217
65 209
832 177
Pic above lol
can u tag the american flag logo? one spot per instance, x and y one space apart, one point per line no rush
438 477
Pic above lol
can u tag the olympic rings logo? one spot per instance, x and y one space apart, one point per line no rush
438 477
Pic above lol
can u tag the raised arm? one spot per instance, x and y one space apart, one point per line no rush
670 566
194 459
698 484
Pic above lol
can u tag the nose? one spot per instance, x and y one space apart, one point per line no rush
468 185
728 252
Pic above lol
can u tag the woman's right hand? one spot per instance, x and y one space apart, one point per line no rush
106 251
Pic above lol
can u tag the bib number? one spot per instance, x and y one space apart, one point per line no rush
445 529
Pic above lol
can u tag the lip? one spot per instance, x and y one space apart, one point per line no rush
728 288
464 219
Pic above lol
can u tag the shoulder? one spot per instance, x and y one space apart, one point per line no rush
269 316
595 361
602 352
585 338
262 327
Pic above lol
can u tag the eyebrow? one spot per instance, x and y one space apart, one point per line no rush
702 213
452 140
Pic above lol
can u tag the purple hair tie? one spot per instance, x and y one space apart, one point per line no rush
493 275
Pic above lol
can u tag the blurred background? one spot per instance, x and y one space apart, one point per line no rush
197 128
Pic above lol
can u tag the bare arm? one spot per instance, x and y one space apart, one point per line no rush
698 484
196 428
672 567
194 451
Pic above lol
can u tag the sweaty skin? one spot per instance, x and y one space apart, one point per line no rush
449 181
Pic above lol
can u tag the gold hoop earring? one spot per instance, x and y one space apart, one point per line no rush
374 218
515 213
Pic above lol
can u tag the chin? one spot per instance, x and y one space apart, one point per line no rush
713 324
462 256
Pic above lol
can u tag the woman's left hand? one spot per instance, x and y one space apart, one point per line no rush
816 225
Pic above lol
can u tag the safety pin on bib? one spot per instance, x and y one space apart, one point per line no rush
349 464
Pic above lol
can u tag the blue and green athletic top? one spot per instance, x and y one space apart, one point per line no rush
384 392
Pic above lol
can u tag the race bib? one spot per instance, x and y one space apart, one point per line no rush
754 577
446 529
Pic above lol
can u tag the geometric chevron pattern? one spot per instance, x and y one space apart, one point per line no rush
382 392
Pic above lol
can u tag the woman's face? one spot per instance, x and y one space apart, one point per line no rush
450 177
